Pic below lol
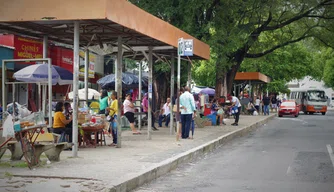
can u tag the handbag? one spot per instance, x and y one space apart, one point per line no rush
110 118
234 110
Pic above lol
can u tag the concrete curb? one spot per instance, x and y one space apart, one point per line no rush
140 178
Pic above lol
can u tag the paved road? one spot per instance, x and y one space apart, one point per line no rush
288 154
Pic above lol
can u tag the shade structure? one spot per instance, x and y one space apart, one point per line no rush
129 81
208 91
92 94
39 73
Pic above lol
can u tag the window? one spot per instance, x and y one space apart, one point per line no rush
288 104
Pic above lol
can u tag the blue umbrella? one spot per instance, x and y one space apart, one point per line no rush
39 73
208 91
129 81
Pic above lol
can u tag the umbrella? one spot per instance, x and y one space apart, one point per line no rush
39 73
81 92
208 91
129 81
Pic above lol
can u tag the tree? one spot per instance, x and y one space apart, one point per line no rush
328 75
238 29
283 65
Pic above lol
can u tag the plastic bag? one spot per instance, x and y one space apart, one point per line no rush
255 113
8 127
235 110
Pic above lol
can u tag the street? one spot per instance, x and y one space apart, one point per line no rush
287 154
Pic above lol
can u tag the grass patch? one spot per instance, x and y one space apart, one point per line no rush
17 164
8 175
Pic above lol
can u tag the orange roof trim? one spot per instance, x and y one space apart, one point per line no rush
118 11
253 76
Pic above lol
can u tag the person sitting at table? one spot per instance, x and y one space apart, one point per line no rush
250 108
69 126
60 121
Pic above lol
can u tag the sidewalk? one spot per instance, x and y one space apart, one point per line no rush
138 161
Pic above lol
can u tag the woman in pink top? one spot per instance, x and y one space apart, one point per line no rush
129 113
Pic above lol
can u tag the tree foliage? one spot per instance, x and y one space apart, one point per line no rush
239 29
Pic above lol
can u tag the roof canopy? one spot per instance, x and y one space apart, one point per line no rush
252 76
101 21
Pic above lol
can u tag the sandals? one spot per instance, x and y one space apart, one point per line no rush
112 145
136 133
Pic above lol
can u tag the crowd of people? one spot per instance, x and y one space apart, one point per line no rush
189 105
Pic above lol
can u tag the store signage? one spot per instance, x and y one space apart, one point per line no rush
91 67
26 48
67 60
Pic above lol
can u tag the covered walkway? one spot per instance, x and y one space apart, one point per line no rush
110 26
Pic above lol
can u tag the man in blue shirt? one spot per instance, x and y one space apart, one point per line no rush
187 106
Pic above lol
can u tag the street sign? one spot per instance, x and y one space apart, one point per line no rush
180 48
185 47
188 47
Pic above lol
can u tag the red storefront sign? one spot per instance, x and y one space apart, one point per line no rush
62 57
26 48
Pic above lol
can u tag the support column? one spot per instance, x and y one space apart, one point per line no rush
178 116
76 64
139 96
86 75
118 84
4 87
150 87
189 75
172 81
45 55
116 70
50 91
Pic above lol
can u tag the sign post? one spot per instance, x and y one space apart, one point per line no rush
185 48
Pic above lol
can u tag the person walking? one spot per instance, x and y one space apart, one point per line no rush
145 109
274 102
129 109
237 105
165 113
266 103
113 109
188 108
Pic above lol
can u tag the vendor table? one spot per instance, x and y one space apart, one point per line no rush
26 137
88 130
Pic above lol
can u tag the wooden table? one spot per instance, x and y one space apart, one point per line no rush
27 140
95 130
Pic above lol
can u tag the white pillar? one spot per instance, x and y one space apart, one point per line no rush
189 75
116 70
178 118
119 90
139 90
86 75
4 87
50 91
172 80
150 92
45 55
75 87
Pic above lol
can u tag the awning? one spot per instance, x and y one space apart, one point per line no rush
255 77
101 22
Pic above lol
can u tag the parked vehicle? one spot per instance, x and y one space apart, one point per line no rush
310 100
288 108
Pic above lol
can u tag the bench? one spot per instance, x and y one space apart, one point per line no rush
46 143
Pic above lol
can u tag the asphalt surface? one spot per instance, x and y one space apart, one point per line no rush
287 154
